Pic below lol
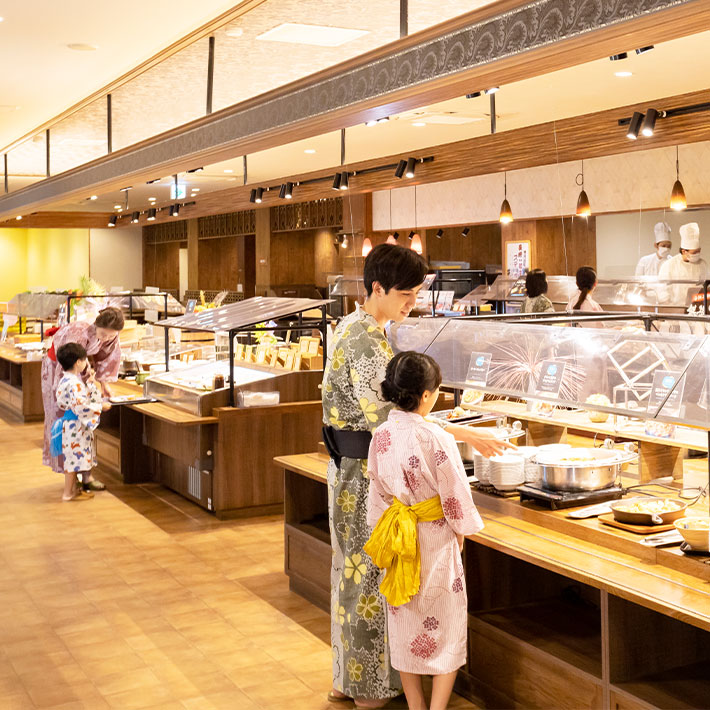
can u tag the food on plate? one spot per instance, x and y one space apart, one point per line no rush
695 523
472 396
663 430
456 413
543 408
600 400
649 507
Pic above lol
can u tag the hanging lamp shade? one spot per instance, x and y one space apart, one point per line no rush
390 240
417 244
678 201
366 246
506 214
583 207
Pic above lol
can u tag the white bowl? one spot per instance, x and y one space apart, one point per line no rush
507 471
481 467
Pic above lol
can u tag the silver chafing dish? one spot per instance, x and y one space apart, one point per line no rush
581 469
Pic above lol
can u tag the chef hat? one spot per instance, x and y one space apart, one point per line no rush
690 236
662 232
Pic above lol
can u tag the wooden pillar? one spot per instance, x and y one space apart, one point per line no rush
263 251
192 255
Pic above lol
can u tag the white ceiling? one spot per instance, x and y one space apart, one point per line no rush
42 77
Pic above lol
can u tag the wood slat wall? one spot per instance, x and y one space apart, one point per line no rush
481 247
161 264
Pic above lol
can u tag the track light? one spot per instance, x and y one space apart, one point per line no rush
617 57
678 201
473 95
152 182
440 234
344 243
151 214
643 50
410 236
112 220
252 195
174 210
401 167
375 121
396 236
282 191
506 214
649 122
492 90
135 217
259 195
465 231
195 170
417 244
336 181
634 126
409 172
344 180
366 246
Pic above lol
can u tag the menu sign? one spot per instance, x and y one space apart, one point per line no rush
549 380
478 369
663 382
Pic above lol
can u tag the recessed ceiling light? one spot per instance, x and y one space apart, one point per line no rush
318 35
621 74
235 32
94 197
195 189
117 207
310 151
19 217
419 124
153 198
228 170
1 19
80 47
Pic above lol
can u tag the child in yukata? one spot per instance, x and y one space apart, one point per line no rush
421 508
83 405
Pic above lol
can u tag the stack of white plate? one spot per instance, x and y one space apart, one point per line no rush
532 474
507 471
481 467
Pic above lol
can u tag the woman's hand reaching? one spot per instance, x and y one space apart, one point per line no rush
483 441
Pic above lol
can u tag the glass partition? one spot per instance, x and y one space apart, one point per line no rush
79 138
27 163
627 372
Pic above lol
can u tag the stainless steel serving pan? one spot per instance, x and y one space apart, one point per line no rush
596 469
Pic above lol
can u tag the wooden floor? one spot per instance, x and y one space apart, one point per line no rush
139 599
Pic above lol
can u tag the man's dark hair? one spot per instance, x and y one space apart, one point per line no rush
536 283
68 355
393 266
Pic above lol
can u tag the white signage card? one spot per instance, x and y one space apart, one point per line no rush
663 382
549 380
478 368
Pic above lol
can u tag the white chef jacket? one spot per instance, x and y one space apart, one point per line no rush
650 264
676 269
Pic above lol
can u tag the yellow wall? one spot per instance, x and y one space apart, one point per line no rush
56 258
13 262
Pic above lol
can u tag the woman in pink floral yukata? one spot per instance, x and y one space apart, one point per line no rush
420 504
100 340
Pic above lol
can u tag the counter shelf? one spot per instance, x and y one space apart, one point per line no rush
562 613
20 383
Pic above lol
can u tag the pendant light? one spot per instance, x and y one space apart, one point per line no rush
366 246
417 244
506 214
678 201
583 207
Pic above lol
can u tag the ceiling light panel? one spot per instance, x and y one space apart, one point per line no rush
315 35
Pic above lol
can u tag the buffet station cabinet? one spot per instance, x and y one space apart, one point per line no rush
589 586
210 429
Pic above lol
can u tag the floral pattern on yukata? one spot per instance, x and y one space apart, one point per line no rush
352 399
105 358
428 634
84 399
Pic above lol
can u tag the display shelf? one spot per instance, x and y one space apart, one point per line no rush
569 632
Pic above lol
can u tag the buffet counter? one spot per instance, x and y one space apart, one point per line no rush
21 384
562 613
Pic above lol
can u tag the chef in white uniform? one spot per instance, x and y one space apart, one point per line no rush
686 266
649 265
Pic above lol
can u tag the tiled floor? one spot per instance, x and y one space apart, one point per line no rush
138 599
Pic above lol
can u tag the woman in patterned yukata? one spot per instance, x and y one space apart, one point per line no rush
100 340
419 495
84 401
353 407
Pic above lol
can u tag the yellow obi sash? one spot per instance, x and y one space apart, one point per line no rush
394 546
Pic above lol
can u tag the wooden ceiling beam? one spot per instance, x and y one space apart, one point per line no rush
59 220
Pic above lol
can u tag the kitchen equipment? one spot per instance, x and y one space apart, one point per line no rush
581 469
647 518
507 471
664 539
557 500
695 531
635 528
591 511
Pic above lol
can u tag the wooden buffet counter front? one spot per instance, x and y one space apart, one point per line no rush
20 384
562 613
224 462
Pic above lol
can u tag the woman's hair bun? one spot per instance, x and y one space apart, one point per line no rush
409 374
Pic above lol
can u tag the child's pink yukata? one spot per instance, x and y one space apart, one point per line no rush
414 460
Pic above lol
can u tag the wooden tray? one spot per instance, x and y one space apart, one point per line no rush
608 519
